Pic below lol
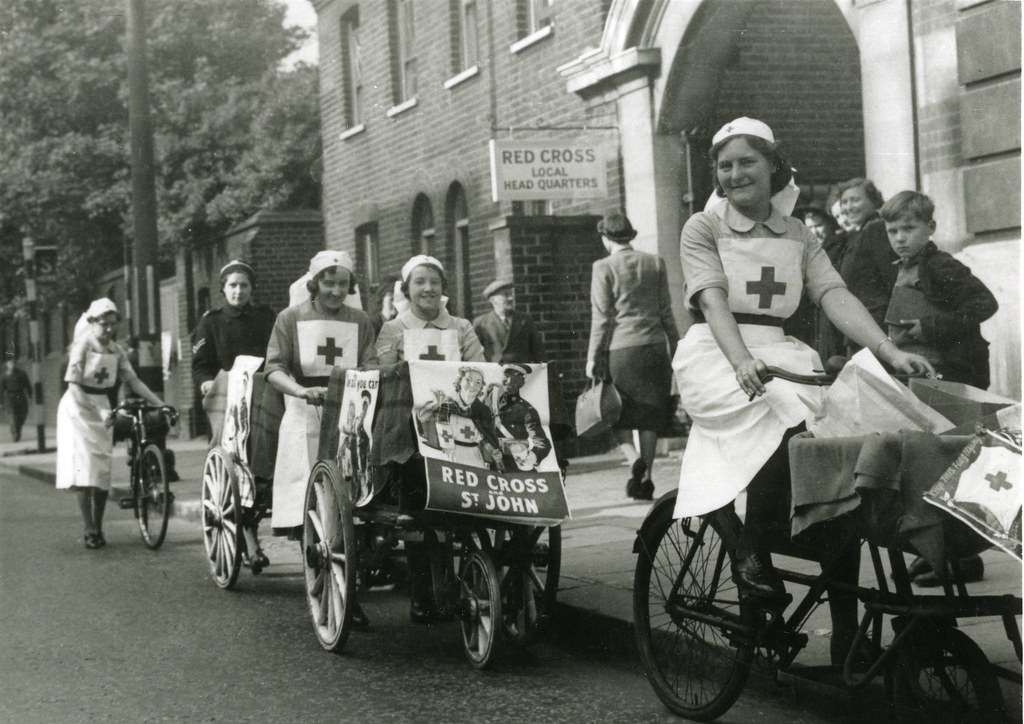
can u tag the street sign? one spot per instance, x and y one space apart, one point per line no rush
542 170
46 265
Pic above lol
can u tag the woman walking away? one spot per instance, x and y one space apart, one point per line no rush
632 338
85 443
746 264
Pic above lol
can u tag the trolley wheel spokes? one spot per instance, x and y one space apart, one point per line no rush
222 517
529 582
480 609
687 616
945 675
330 560
153 497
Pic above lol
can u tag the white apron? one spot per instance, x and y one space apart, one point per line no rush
323 345
85 444
732 437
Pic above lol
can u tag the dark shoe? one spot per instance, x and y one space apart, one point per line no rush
839 648
632 488
91 541
422 611
918 566
755 577
638 469
972 569
645 491
359 619
100 539
258 562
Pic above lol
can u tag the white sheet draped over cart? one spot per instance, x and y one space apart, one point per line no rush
297 448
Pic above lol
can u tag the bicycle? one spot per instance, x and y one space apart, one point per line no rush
698 633
151 496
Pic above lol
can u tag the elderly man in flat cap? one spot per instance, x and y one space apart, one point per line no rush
507 335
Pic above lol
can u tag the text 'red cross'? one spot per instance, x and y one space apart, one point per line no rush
432 353
998 481
101 375
766 287
330 351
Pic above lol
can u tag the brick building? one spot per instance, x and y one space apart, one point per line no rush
912 93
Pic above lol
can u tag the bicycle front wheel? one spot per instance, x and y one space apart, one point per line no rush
153 497
686 615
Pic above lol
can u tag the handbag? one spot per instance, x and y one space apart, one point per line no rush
597 409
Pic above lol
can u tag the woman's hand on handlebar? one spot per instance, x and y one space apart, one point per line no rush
911 364
314 395
748 374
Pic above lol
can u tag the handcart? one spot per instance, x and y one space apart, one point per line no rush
245 414
699 635
497 576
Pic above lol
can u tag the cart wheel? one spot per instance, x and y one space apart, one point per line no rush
942 673
153 497
529 583
480 609
222 517
330 561
697 666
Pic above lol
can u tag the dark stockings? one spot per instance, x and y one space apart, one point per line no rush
92 502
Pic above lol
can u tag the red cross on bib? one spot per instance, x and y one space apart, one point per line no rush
326 344
765 275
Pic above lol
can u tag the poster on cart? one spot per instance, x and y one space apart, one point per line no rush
237 416
983 488
483 430
355 425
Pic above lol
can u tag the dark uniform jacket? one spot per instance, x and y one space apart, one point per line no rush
519 342
518 419
223 334
865 262
961 302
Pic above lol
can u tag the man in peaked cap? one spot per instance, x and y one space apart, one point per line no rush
507 335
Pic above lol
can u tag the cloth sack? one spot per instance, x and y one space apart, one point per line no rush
597 409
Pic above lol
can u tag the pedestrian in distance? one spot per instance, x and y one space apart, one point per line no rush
632 338
936 310
745 265
384 304
507 334
15 392
96 363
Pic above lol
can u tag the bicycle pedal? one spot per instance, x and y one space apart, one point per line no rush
126 503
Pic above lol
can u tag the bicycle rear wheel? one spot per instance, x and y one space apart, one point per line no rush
686 612
153 497
222 517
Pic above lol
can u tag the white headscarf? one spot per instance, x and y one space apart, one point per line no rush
298 292
785 200
97 309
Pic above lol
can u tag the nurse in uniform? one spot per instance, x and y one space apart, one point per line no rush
425 331
85 444
309 340
745 265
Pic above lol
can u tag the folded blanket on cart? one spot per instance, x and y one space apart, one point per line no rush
393 437
884 478
264 425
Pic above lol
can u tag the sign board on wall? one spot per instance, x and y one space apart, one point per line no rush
542 170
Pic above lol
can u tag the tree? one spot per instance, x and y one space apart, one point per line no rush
232 132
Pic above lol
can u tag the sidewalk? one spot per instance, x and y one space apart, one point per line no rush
595 593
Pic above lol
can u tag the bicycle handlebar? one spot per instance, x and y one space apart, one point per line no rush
131 406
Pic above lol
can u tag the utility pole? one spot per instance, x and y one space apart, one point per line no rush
145 282
28 252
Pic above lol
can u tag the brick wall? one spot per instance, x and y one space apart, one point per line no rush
797 67
443 139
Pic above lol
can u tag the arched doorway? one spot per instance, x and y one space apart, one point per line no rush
456 252
794 65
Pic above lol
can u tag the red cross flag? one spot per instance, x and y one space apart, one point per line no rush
326 344
765 275
983 489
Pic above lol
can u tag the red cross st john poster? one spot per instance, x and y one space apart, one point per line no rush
237 415
483 431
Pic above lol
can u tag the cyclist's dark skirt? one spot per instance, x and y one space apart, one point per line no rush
643 377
